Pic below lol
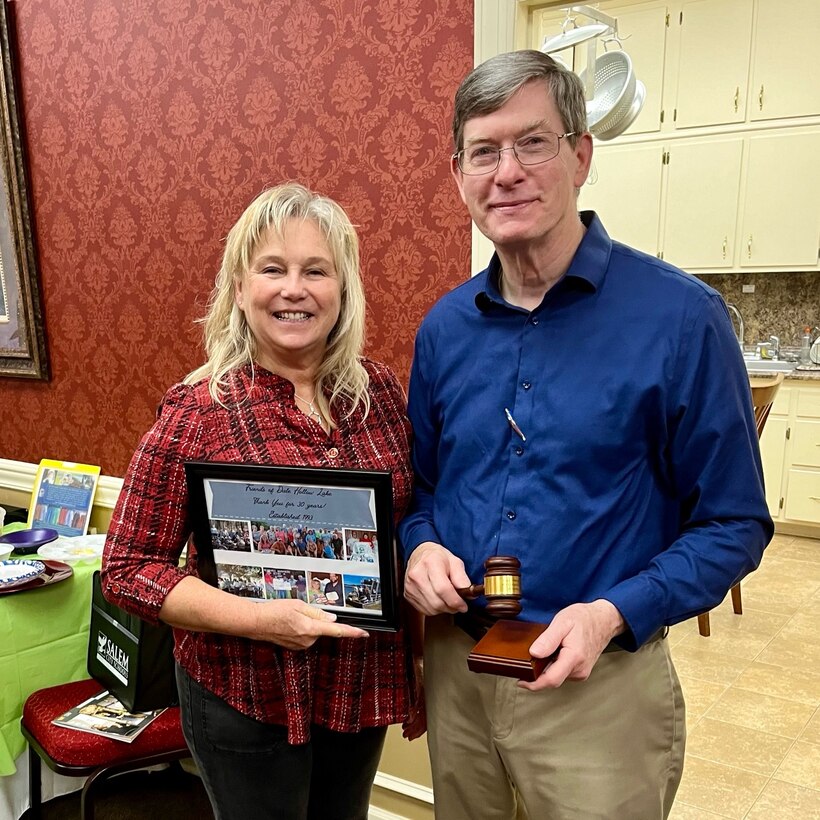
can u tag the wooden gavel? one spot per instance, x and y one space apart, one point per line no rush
501 587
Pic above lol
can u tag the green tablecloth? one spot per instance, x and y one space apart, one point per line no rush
43 642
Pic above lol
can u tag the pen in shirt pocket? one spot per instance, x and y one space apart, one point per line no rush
514 426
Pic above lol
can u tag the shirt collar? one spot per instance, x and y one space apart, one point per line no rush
586 271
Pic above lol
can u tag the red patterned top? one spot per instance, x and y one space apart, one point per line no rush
341 684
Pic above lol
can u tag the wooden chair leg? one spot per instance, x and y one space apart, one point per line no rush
703 625
737 604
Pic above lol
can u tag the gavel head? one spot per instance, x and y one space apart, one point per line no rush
502 586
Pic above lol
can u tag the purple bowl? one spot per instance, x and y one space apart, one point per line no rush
26 542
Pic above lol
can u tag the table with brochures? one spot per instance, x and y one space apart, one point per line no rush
43 642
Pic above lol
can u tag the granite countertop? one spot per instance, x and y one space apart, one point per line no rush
811 373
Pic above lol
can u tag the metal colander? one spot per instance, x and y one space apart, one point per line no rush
614 91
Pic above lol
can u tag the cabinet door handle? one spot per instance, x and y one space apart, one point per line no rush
760 97
814 498
749 247
737 98
725 241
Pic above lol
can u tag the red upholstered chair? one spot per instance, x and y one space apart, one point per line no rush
764 390
80 754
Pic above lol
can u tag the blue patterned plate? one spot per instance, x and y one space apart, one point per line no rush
18 572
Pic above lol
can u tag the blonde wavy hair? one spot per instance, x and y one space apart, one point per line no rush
229 342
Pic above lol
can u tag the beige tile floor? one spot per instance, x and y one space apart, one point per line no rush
753 696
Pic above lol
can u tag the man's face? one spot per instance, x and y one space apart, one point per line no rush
519 205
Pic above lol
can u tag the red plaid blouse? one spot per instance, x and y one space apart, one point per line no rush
341 684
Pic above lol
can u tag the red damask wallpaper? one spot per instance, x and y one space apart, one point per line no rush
150 125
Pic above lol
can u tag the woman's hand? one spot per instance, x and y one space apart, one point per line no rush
297 625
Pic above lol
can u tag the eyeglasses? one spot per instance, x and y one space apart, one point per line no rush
530 150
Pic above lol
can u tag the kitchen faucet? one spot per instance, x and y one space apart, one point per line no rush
770 349
740 331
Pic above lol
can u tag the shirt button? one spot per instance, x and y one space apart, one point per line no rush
526 385
535 320
511 515
519 451
333 453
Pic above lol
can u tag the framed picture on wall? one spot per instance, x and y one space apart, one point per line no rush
22 335
322 536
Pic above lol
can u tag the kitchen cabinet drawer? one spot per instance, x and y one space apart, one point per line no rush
806 447
803 496
808 403
782 401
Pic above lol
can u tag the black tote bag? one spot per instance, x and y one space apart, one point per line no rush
130 657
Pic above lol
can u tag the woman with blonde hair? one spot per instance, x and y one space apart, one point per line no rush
273 694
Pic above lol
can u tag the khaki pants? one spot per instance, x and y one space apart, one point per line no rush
610 748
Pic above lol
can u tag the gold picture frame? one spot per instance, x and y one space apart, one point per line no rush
22 331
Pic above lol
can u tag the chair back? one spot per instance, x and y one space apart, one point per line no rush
764 389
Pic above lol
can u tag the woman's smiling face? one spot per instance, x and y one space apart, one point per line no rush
291 296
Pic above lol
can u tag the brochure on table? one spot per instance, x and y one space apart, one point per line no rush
63 496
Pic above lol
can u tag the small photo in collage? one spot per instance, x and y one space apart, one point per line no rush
361 545
247 582
326 589
363 591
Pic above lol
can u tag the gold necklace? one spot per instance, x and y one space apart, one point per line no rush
312 413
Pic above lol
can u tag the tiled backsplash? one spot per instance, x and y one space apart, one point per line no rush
781 305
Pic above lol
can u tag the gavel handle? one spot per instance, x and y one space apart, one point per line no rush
472 591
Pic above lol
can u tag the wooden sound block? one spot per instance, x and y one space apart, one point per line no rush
505 650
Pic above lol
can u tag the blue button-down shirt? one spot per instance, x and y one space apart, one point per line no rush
637 477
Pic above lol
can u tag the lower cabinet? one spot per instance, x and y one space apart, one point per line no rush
790 448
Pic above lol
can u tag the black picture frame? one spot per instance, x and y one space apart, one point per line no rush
22 331
269 532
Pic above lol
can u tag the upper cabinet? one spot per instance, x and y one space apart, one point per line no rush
705 63
643 29
713 69
785 62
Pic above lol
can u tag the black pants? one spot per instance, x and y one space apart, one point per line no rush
251 772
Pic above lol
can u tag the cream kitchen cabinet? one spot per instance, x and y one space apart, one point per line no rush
702 189
708 63
776 436
781 203
785 60
773 451
714 203
713 66
625 189
790 448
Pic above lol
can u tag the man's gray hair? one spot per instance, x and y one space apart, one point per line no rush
490 85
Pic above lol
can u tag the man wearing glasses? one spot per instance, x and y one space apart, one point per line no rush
582 407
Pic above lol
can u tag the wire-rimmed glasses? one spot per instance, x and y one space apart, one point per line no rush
532 149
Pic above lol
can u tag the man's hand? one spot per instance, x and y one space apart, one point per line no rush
581 633
432 578
297 625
